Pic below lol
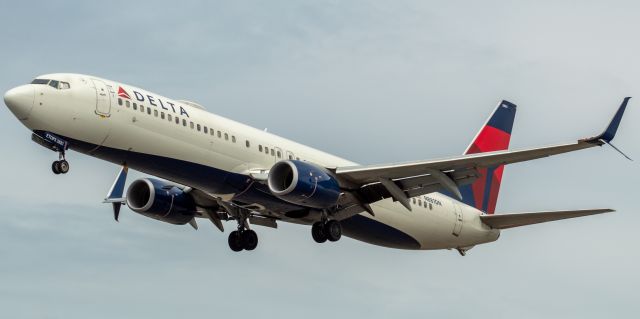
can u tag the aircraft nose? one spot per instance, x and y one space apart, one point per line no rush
20 100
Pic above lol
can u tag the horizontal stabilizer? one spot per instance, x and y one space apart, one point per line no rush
503 221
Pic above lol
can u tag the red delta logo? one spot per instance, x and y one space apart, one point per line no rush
123 93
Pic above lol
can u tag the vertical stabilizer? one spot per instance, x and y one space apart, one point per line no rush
493 136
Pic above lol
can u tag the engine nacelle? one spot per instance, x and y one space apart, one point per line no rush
159 200
303 183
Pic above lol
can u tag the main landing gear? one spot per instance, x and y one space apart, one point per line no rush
243 238
329 230
61 166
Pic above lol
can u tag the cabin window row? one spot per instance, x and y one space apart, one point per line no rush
200 128
194 126
274 152
424 204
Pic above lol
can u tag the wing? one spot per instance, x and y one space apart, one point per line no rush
404 180
207 206
504 221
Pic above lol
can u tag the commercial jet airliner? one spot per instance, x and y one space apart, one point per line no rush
206 166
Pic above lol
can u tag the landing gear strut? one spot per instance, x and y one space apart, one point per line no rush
61 166
323 231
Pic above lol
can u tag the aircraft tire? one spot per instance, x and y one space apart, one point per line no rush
55 167
317 232
63 166
333 230
249 239
235 241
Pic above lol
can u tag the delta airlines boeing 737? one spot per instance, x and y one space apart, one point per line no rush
218 169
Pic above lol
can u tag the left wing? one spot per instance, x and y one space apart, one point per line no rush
405 180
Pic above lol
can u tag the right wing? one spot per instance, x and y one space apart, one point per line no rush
402 181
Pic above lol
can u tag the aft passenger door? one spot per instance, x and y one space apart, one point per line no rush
457 226
103 101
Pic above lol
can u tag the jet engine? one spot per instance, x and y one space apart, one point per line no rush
159 200
303 183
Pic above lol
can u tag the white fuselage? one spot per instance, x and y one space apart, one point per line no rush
96 114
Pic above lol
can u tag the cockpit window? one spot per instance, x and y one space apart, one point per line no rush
40 81
53 83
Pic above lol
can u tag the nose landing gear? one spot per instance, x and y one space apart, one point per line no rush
61 166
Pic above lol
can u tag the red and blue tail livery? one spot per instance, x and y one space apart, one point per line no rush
494 136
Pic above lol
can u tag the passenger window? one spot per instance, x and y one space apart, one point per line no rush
211 131
226 136
199 127
279 155
419 202
142 108
191 124
162 115
414 201
266 150
260 148
219 134
128 103
233 138
247 143
206 130
149 110
272 153
120 102
135 106
290 156
155 113
184 122
169 117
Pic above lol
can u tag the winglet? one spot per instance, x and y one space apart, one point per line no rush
609 133
115 193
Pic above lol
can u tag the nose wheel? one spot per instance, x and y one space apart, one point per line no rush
323 231
60 167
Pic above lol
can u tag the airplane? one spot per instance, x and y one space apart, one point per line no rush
205 166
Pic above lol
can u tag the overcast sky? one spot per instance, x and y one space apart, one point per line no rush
372 81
